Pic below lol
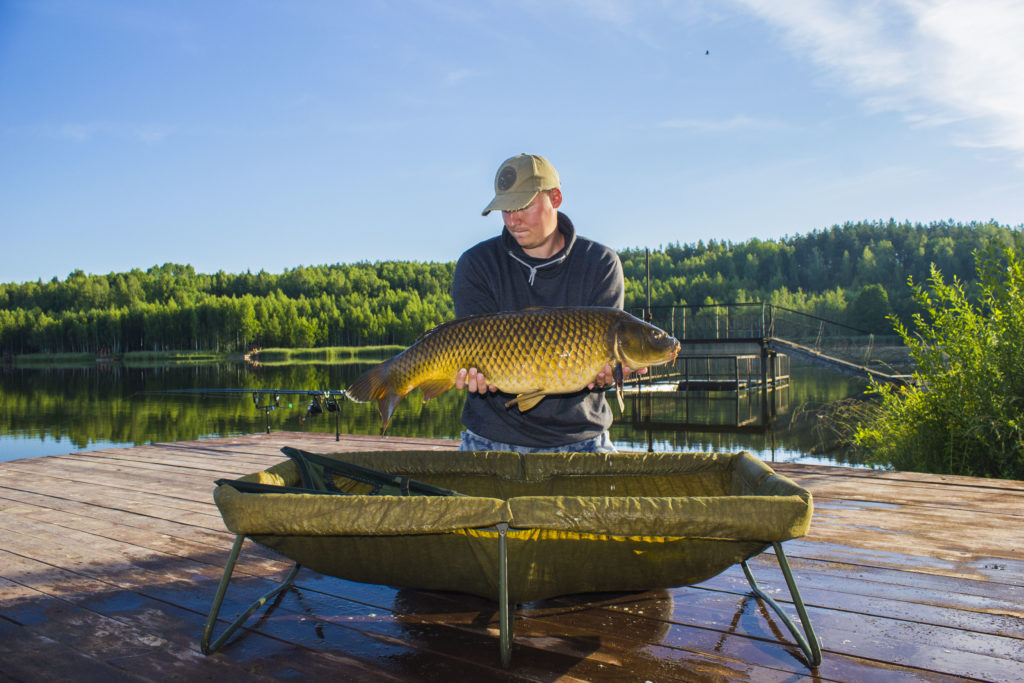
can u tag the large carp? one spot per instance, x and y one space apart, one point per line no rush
530 353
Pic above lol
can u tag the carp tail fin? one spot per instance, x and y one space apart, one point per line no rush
375 385
386 405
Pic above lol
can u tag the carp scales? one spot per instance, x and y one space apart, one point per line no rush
530 353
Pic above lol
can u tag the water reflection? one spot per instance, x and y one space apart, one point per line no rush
46 411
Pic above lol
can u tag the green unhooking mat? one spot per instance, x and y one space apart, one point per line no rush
578 522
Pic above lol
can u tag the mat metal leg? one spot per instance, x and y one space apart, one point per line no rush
810 646
205 645
505 616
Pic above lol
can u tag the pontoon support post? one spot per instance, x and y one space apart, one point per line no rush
218 599
810 646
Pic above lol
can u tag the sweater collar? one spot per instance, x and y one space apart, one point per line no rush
533 264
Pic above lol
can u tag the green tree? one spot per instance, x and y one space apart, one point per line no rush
870 309
964 412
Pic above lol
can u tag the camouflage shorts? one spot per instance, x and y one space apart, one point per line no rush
602 443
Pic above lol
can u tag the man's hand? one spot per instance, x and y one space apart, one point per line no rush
474 381
606 378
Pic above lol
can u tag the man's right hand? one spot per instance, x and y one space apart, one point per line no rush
474 381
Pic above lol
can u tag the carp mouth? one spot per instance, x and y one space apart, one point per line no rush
648 348
673 353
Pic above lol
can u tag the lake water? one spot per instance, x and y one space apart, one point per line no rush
52 410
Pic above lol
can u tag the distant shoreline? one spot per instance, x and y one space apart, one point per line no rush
272 356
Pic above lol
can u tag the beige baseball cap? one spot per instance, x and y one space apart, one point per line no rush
518 181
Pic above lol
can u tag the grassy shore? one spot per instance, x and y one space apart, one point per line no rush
54 359
327 354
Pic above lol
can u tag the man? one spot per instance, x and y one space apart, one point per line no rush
537 260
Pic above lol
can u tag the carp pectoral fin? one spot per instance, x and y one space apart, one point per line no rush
526 401
433 388
617 373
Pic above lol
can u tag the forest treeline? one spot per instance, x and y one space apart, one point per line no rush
856 274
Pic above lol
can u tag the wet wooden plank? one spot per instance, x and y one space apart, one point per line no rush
914 577
901 478
931 535
169 597
106 640
898 633
937 600
170 535
173 484
217 465
28 656
374 631
167 631
128 500
979 500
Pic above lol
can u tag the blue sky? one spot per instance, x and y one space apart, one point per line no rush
266 135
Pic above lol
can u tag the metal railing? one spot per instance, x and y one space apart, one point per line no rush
754 322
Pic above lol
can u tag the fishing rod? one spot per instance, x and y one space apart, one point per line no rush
269 400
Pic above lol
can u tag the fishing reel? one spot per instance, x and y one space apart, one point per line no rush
320 403
314 407
273 401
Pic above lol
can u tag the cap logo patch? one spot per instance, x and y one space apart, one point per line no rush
506 179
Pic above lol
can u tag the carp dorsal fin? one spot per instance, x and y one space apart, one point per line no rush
526 401
432 388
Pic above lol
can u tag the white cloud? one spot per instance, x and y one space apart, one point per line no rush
936 62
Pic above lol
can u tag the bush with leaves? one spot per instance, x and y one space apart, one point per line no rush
964 412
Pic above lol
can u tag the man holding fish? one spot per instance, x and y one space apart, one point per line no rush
537 260
538 318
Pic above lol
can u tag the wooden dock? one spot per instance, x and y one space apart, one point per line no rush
109 561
